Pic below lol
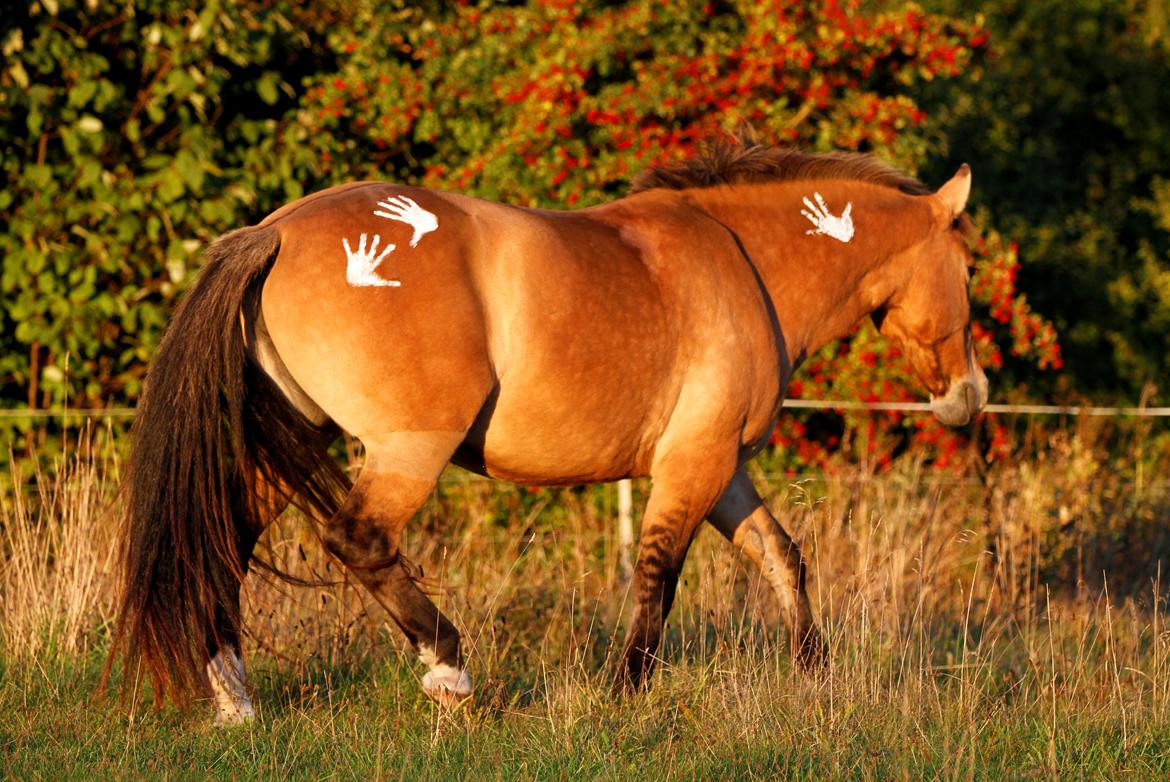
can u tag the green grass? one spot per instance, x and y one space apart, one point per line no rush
743 715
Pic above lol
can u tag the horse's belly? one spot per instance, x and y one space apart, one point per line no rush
551 468
562 436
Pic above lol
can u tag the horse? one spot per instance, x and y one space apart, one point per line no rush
653 335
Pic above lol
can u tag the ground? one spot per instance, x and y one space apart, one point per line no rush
969 641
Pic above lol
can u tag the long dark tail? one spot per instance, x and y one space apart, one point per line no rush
216 447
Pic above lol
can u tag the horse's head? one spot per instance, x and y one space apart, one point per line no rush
929 312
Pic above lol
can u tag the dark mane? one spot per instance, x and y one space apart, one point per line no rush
745 162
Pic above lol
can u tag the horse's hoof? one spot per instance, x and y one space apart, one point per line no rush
633 673
447 686
234 716
813 653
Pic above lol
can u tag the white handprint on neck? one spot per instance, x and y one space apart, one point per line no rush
405 210
828 224
361 263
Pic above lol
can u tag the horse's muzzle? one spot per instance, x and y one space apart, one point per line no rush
963 401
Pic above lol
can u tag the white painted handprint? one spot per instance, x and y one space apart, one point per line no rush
405 210
828 224
361 263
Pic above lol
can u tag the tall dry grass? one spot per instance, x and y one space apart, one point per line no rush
57 544
1027 586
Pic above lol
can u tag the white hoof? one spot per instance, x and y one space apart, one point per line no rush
233 715
446 685
225 672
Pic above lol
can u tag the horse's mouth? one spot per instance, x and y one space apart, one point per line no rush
963 401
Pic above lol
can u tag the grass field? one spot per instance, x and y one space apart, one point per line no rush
1006 622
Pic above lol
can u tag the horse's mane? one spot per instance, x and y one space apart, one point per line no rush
745 161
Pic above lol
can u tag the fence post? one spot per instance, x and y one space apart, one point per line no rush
626 527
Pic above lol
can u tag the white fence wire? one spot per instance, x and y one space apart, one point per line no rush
790 404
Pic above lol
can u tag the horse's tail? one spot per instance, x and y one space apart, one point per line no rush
216 446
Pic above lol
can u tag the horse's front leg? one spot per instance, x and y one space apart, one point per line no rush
686 486
743 518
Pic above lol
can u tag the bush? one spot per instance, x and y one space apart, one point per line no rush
1068 130
135 137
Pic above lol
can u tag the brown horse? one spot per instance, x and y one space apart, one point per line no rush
652 336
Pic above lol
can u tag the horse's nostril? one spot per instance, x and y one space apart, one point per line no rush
971 398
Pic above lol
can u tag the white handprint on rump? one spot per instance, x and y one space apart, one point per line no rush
405 210
361 263
828 224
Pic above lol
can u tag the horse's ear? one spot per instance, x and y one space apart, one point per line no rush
952 197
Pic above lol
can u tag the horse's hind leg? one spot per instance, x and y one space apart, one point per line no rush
743 518
225 668
366 534
225 672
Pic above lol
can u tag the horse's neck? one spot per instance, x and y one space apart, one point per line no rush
820 285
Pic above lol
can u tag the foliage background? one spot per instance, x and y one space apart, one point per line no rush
135 132
1068 131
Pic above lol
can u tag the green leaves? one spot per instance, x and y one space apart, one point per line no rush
267 87
1067 151
129 141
